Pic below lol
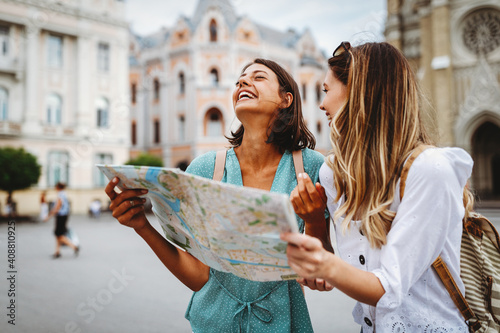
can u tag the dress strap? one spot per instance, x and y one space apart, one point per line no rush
253 307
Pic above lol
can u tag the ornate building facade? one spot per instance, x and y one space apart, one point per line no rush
64 92
182 79
454 46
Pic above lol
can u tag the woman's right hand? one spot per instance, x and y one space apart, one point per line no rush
127 206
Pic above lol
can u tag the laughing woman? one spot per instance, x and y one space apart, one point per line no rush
266 101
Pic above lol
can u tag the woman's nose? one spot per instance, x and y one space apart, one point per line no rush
243 81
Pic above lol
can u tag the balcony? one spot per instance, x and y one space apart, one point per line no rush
11 65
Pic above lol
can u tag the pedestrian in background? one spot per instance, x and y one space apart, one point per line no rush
61 213
44 206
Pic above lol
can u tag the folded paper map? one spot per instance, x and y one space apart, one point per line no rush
229 228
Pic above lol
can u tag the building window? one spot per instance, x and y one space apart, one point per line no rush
4 40
55 51
99 179
304 91
318 92
133 92
156 129
133 133
214 77
102 109
4 104
156 89
54 109
57 168
213 31
103 57
318 127
182 128
213 120
182 83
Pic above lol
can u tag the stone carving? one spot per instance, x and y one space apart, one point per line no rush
481 33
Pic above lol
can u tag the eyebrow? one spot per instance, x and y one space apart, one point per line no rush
255 71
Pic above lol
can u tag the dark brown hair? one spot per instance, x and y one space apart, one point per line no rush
287 130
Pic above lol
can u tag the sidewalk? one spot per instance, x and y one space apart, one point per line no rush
115 285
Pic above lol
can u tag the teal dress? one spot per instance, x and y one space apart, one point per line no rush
228 303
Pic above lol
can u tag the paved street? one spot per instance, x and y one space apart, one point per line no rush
115 285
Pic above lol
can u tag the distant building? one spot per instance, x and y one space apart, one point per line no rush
455 48
64 91
182 79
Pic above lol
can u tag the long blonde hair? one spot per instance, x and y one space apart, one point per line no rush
379 126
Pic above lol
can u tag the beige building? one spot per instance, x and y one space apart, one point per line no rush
182 79
64 93
454 46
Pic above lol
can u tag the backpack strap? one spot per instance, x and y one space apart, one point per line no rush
298 163
439 265
220 163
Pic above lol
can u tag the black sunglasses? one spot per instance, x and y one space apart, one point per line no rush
344 47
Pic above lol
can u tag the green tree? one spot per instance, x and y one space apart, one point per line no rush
19 169
146 160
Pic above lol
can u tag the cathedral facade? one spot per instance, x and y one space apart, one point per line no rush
454 46
182 79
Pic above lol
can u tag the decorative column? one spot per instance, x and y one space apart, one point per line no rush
33 112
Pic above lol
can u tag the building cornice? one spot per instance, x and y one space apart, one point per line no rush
69 10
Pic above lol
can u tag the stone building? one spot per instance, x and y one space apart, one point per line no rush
182 79
64 92
454 46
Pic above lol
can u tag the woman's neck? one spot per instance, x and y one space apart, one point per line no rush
255 151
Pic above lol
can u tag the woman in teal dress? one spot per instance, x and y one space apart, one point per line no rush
267 102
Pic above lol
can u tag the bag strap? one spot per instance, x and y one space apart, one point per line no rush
439 265
298 163
220 163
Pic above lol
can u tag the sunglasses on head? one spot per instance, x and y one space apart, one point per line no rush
344 47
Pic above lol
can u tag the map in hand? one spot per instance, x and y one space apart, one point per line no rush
230 228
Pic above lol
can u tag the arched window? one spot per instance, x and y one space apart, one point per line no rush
182 165
156 87
318 92
213 31
57 168
318 127
156 130
182 128
304 91
4 104
182 83
214 77
133 92
213 123
102 109
133 133
54 109
99 178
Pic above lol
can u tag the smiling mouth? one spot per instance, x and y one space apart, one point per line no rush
245 95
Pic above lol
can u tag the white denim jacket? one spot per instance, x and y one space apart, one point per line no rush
428 223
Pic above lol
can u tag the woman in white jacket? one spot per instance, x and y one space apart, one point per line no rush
386 244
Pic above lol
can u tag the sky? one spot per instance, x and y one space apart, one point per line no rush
330 21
